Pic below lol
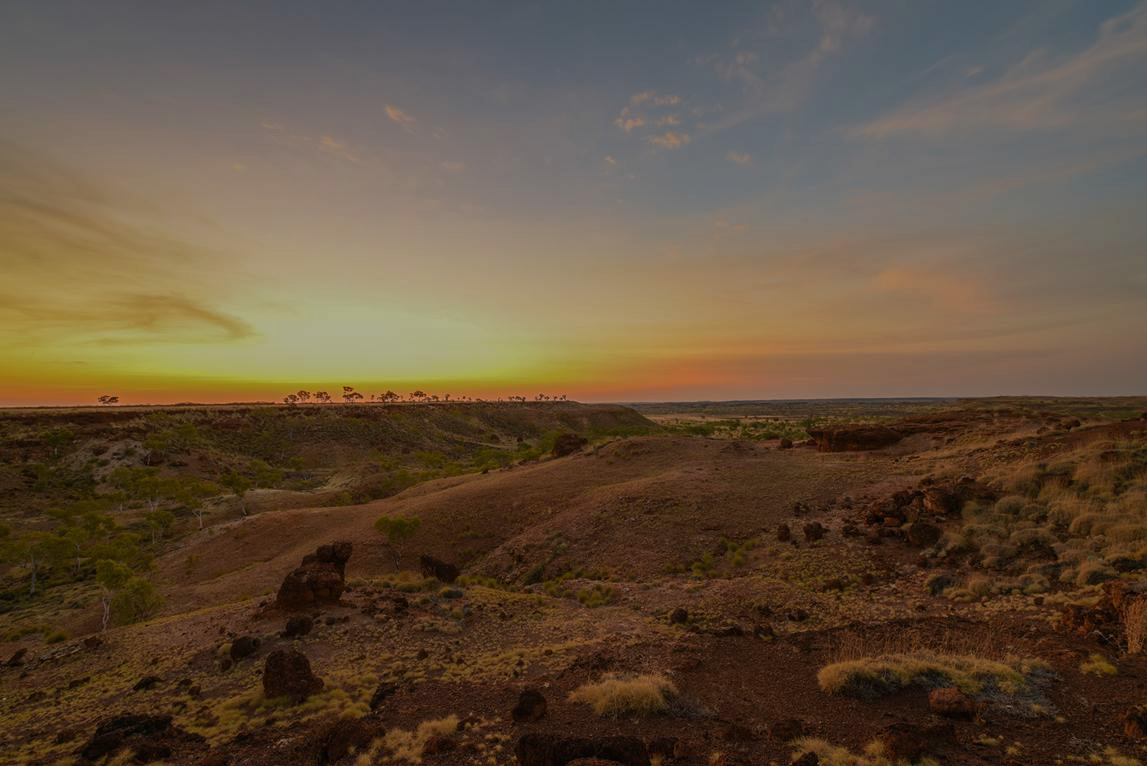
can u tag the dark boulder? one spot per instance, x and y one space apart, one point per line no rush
538 749
1135 723
298 626
814 531
319 579
678 616
922 534
382 692
785 444
950 702
145 683
149 737
287 673
439 570
345 736
243 647
531 706
567 444
784 534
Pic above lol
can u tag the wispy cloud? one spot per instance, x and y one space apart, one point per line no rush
339 148
670 139
785 88
627 121
1042 94
452 166
740 158
75 269
400 117
653 98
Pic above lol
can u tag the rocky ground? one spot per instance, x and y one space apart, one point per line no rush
957 586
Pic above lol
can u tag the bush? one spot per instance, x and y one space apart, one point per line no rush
888 673
136 600
1098 665
622 695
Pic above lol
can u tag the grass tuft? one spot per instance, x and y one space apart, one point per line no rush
621 695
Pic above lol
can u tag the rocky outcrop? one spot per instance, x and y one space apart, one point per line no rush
931 500
538 749
149 737
853 438
319 579
950 702
439 570
287 673
1119 617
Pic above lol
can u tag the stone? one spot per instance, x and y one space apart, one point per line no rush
531 707
950 702
319 579
297 626
287 673
243 647
678 616
439 570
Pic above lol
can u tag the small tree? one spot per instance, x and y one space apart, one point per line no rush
111 576
303 395
238 484
322 396
396 529
108 400
158 522
136 599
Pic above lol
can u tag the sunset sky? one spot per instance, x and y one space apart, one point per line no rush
219 201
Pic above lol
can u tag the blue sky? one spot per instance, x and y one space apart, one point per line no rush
625 200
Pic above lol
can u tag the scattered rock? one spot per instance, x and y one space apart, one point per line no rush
300 625
678 616
243 647
287 673
145 683
439 570
319 579
531 706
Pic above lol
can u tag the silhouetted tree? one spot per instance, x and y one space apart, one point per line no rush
322 396
108 400
304 396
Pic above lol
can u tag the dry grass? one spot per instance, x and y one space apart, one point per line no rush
623 695
408 745
1098 665
833 755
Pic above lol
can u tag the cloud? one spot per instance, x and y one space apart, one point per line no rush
83 264
740 158
670 139
339 148
652 98
627 121
1081 90
401 118
785 88
452 166
669 119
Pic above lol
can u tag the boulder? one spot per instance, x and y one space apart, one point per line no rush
382 692
784 534
287 673
145 683
243 647
853 438
297 626
439 570
785 444
543 749
950 702
909 742
345 736
567 444
319 579
678 616
531 707
922 534
149 737
813 531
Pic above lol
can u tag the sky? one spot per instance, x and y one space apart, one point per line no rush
615 201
